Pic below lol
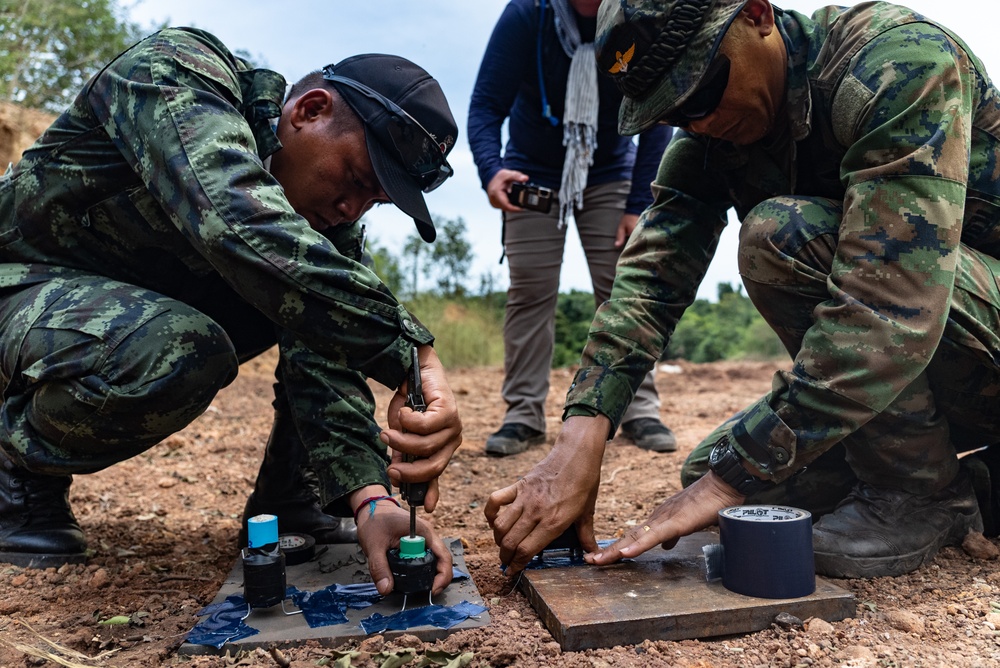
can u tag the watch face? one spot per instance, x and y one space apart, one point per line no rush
718 451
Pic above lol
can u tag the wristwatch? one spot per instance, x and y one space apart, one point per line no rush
728 465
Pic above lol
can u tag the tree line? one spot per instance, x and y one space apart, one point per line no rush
727 328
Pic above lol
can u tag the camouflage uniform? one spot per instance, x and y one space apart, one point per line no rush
145 252
870 232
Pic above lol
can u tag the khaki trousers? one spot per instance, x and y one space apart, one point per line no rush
534 244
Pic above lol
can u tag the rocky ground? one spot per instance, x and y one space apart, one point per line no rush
163 532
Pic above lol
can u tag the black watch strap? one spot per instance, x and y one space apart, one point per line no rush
726 463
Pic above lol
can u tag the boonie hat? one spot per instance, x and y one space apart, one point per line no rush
409 128
658 51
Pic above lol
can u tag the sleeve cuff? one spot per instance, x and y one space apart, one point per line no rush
598 390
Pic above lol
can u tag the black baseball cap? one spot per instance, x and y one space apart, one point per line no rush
409 128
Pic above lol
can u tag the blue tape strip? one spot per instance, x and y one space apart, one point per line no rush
329 606
224 623
325 607
441 616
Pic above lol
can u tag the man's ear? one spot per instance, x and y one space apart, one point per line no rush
761 14
313 105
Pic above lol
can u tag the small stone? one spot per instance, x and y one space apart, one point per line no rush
818 627
372 645
514 614
551 649
167 481
787 621
857 656
19 580
100 578
904 620
978 546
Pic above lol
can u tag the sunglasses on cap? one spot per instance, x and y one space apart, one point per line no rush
706 98
419 152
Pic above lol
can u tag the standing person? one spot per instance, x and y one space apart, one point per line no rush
180 218
539 71
859 148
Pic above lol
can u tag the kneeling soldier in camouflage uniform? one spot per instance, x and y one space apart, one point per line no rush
859 148
183 216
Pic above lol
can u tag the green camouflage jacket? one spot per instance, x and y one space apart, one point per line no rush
894 116
154 177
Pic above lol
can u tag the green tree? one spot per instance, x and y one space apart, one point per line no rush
726 329
412 250
451 256
49 48
574 313
385 265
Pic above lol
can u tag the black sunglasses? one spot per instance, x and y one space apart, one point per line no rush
706 98
420 153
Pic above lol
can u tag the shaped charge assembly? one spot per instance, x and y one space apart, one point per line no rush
264 582
413 566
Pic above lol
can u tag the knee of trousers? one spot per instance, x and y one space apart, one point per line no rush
153 382
788 241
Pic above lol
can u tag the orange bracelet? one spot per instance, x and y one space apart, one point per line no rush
370 502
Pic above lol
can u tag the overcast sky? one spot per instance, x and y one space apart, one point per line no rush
447 38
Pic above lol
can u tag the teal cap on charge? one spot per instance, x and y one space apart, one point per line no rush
657 52
262 530
412 547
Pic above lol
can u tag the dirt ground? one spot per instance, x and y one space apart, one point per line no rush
163 531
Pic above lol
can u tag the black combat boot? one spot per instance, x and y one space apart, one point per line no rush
282 490
37 527
878 532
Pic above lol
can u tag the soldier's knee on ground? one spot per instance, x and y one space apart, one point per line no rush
159 377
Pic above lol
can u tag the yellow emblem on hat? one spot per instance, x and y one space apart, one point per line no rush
622 60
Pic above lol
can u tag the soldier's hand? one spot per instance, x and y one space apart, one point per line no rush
690 510
559 491
381 530
432 436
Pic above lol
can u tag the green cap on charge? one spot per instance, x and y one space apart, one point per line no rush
412 547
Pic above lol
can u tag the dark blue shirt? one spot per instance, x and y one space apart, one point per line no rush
508 86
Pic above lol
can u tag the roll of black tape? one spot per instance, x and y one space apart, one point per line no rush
298 548
767 551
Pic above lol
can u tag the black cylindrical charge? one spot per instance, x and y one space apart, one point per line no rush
263 579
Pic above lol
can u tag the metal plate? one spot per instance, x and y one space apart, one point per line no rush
661 595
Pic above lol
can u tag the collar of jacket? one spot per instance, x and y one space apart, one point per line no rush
263 93
798 99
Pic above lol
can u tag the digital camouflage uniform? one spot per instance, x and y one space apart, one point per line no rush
870 232
146 252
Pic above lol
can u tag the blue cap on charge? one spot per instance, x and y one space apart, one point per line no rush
261 530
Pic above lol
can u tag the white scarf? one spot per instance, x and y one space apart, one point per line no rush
580 113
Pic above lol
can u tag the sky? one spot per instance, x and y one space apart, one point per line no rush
447 38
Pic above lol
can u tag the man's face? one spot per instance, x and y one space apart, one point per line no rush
755 93
326 174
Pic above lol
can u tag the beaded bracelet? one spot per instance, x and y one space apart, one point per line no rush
370 502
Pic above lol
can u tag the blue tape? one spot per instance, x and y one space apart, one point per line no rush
767 551
223 623
441 616
328 606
